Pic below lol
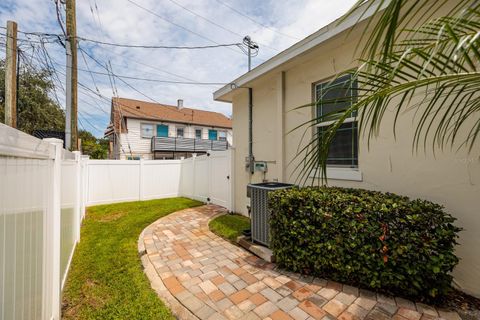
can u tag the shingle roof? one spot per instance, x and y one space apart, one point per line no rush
161 112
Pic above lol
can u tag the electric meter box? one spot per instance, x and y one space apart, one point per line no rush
260 166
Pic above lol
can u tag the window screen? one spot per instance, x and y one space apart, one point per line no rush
335 97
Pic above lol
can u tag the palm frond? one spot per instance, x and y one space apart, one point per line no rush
431 68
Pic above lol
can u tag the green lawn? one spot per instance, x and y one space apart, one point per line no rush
106 280
229 226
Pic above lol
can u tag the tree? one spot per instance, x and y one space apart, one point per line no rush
36 108
93 147
407 54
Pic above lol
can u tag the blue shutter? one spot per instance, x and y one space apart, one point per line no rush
212 134
162 130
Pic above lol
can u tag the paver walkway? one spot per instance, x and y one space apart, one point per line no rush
202 276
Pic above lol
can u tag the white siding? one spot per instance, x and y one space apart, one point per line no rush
133 143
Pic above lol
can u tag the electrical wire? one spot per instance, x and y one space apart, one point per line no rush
216 24
255 21
138 46
59 17
178 25
55 38
147 79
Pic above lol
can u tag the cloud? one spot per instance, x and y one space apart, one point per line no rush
121 21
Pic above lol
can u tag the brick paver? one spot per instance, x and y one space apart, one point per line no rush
211 278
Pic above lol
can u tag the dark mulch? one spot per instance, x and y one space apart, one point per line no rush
466 305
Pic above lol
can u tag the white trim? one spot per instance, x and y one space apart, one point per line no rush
337 173
195 132
328 123
297 49
180 128
154 127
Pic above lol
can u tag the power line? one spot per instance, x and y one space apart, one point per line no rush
158 46
55 38
47 62
178 25
138 78
146 79
158 80
216 24
255 21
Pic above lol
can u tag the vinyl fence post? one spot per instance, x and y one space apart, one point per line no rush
194 196
84 193
78 200
86 183
140 180
210 176
52 267
231 181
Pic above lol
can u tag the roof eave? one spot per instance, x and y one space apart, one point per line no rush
329 31
176 121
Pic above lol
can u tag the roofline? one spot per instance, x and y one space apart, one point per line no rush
163 105
315 39
180 122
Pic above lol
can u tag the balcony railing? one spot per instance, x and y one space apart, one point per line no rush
180 144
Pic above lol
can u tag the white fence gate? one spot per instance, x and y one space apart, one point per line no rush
208 178
44 190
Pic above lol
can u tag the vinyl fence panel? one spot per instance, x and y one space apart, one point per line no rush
205 178
40 216
44 190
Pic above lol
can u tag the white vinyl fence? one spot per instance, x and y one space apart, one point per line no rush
205 178
41 207
44 190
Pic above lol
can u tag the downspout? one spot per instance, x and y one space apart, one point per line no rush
251 159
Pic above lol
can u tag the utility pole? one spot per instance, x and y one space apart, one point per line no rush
11 75
250 45
71 127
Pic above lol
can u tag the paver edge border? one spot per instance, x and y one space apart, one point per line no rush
176 307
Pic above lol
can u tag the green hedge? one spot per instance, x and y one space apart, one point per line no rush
376 240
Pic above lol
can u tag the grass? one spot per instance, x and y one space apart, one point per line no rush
229 226
106 280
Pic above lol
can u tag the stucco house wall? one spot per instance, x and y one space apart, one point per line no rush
450 177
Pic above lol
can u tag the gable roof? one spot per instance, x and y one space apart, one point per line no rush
130 108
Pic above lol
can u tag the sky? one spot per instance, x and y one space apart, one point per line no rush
274 25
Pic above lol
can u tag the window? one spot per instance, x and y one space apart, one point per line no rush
146 130
180 132
198 133
222 135
212 134
162 130
333 97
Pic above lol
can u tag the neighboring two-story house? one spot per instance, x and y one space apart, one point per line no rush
144 130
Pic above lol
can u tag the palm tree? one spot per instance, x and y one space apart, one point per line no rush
408 53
